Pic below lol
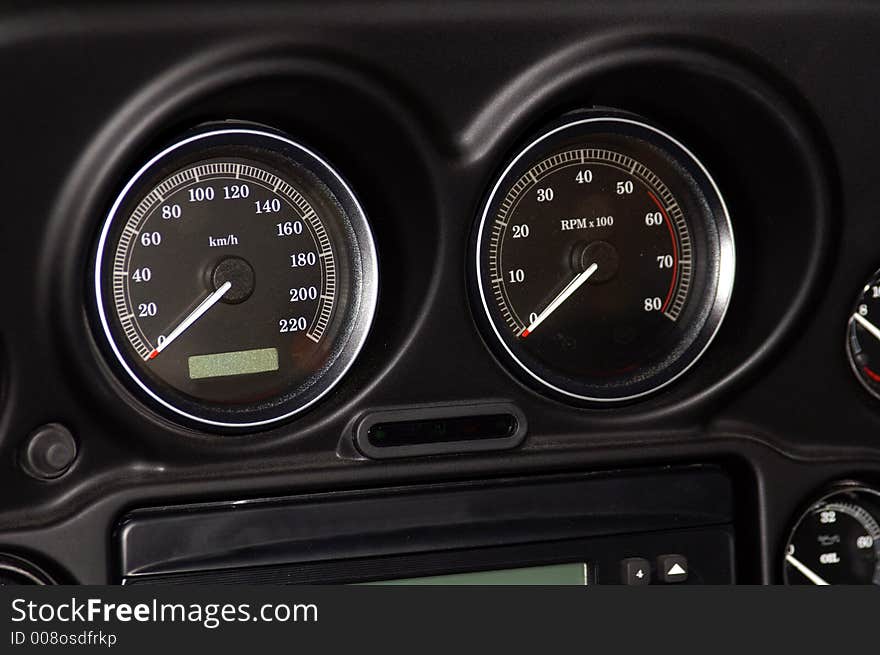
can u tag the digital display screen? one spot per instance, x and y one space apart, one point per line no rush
241 362
554 574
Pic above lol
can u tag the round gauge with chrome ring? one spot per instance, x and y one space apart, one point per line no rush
863 336
836 540
604 259
235 277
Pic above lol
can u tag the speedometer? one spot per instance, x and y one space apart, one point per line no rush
604 259
235 277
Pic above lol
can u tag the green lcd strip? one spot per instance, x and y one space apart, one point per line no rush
555 574
241 362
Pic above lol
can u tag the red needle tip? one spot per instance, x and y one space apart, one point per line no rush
524 334
153 354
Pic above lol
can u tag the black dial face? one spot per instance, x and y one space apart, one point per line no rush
605 259
863 336
837 541
235 278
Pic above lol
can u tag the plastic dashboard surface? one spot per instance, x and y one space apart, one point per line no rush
421 105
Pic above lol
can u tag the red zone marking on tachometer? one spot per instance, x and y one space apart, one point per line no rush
674 251
871 374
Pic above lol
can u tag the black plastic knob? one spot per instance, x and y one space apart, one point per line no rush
49 452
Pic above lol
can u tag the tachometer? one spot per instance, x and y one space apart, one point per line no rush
235 277
604 259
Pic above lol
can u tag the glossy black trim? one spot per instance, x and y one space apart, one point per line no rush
454 432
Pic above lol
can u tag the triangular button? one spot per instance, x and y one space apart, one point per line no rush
676 570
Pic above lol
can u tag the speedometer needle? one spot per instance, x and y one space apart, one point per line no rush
564 295
194 315
800 566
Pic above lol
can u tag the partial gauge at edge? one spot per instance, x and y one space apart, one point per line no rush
863 336
836 540
235 277
604 259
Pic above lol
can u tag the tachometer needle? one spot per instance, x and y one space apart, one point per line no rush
194 315
865 323
812 577
564 295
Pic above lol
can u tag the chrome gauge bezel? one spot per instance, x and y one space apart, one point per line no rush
365 280
725 255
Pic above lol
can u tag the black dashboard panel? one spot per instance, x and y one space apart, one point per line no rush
461 527
420 106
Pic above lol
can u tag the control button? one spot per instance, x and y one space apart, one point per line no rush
635 571
672 568
49 452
